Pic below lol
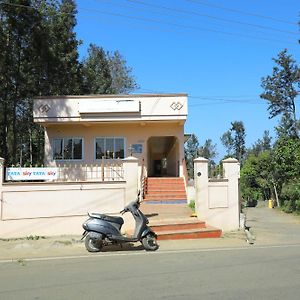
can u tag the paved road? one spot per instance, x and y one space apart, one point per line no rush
268 272
226 268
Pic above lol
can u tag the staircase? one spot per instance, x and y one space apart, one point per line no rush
165 205
174 221
165 190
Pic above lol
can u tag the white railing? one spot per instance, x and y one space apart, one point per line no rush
99 172
105 171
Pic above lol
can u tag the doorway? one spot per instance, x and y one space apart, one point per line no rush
163 156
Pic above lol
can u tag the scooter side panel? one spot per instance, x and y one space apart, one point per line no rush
100 226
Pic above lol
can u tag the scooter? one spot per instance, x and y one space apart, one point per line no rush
101 229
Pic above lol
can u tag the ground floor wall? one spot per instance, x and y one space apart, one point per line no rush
136 135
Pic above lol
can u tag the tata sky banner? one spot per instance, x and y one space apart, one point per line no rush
16 174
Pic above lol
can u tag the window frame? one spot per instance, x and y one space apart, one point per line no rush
63 146
108 137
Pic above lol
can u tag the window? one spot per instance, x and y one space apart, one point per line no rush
110 147
67 148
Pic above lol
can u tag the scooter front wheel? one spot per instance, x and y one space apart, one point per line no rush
150 242
92 244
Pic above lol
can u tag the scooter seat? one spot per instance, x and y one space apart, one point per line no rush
107 218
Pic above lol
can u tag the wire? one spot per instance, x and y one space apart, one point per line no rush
212 17
215 101
184 26
241 12
166 23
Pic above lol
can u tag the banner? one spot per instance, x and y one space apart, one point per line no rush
38 173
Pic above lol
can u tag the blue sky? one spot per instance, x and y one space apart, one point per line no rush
216 51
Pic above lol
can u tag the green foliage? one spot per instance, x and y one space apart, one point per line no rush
39 57
279 169
208 150
290 196
234 141
286 160
261 145
192 205
281 90
105 73
256 175
190 151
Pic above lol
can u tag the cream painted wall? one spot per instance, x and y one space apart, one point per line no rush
134 133
152 107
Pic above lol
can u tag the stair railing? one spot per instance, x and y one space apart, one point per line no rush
143 179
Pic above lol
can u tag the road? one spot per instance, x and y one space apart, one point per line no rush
258 272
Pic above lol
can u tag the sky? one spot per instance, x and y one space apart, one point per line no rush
215 51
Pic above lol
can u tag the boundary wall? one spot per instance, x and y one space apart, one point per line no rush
60 208
217 201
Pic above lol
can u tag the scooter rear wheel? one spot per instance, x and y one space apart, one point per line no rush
92 244
150 242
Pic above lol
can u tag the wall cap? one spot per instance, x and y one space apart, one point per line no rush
201 159
230 160
130 159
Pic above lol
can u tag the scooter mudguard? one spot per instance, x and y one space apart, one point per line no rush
148 230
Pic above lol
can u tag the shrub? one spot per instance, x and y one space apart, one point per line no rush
290 196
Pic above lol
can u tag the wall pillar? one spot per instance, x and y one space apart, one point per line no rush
130 165
201 184
231 168
217 200
1 183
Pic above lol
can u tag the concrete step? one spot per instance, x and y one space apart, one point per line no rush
165 201
161 189
200 233
166 190
177 225
166 196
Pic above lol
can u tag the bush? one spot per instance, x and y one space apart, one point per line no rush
290 196
192 205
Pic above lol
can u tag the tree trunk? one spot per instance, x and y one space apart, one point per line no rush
276 194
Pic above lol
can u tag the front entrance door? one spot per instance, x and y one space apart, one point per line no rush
163 156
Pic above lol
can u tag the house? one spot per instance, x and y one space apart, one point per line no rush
90 129
104 148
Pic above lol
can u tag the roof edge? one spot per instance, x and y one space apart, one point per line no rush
111 96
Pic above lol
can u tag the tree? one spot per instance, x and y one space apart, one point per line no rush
261 145
234 140
208 150
121 79
39 57
105 73
281 90
228 142
95 71
191 148
256 177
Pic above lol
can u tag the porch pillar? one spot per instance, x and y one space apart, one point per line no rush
130 165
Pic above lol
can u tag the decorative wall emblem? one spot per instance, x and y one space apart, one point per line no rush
44 108
176 106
